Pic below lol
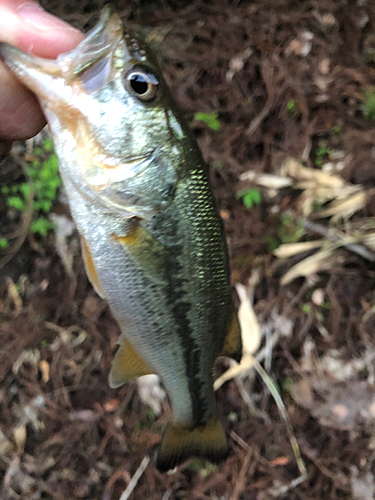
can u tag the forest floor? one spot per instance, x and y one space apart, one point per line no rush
291 151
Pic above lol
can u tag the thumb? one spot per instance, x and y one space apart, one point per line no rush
27 26
31 29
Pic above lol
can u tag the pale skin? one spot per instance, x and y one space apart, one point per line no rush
31 29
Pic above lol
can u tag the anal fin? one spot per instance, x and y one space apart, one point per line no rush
181 442
233 343
90 268
126 365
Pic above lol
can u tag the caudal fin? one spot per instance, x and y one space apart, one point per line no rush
180 443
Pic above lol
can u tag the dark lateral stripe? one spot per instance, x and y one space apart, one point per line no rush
180 307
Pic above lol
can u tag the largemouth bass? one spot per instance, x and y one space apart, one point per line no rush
152 238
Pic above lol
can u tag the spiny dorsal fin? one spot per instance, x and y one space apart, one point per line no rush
181 442
127 365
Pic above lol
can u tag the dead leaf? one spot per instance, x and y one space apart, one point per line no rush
250 333
320 261
279 461
290 249
44 368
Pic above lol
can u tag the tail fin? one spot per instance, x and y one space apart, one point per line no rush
181 442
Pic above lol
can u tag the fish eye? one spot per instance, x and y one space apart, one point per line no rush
143 84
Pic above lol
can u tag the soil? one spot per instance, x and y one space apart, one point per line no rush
287 79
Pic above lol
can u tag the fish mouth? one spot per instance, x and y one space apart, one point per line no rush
50 79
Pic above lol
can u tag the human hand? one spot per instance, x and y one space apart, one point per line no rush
28 27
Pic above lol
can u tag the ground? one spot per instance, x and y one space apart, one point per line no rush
293 86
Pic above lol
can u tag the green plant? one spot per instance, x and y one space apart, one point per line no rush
320 154
290 227
336 129
306 308
250 197
210 119
4 243
291 106
271 243
368 106
42 184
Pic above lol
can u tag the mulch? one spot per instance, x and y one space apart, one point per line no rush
64 434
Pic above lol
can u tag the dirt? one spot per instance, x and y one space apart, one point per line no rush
287 79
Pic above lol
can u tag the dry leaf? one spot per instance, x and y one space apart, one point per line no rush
320 261
291 249
151 392
19 435
250 333
250 329
44 368
344 209
266 180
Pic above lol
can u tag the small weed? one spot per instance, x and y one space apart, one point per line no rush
250 197
368 106
326 305
291 106
4 243
306 308
336 129
291 228
321 154
210 119
287 385
43 182
271 243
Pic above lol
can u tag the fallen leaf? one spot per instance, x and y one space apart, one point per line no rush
279 461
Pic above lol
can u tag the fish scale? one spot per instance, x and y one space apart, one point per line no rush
152 238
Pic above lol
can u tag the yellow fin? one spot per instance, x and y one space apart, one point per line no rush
148 253
233 343
181 442
127 365
90 268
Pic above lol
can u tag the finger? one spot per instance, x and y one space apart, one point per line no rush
30 28
27 26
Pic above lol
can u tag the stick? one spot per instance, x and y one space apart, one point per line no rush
134 480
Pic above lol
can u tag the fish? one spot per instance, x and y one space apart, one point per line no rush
152 239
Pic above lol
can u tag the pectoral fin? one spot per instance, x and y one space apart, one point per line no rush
147 253
90 268
233 343
127 365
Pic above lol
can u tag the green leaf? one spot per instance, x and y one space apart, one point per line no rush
25 190
16 202
48 144
4 243
250 197
291 106
210 119
41 226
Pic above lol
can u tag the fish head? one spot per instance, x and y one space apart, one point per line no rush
119 138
